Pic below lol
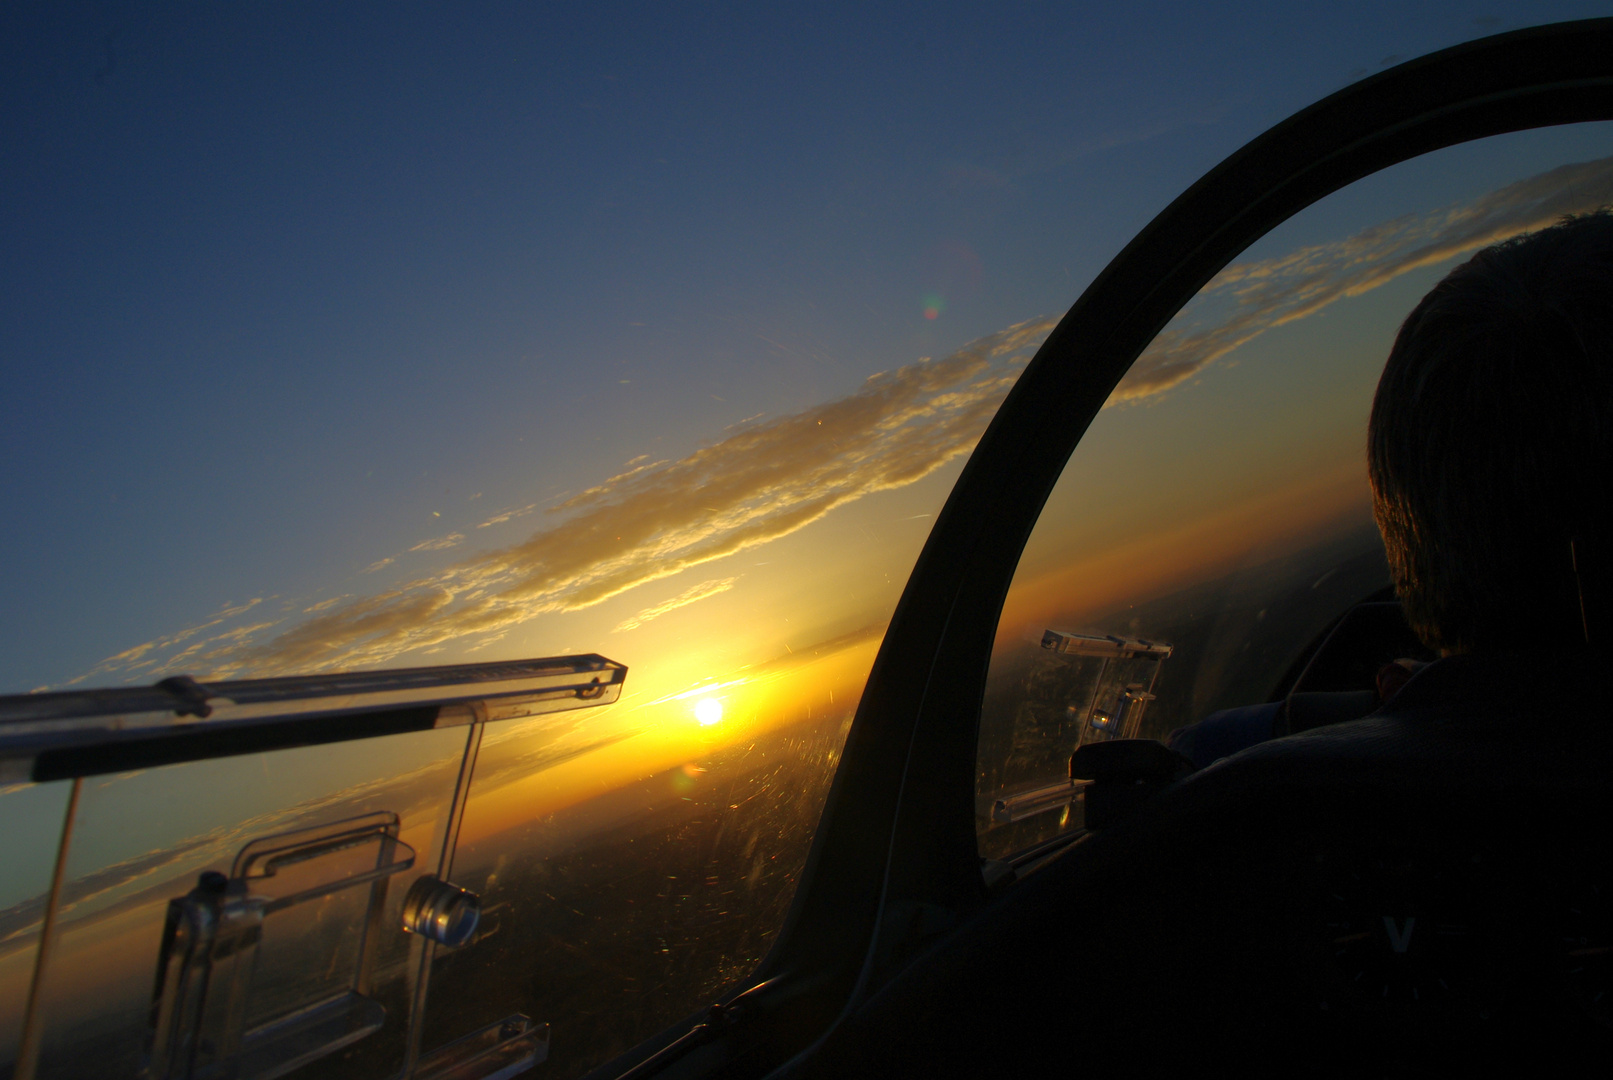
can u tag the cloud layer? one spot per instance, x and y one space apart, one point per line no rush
762 480
688 596
1247 299
766 478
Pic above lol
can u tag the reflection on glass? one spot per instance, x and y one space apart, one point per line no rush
276 914
1095 688
33 816
617 915
1219 503
144 839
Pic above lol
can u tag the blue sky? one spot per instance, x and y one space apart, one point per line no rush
289 290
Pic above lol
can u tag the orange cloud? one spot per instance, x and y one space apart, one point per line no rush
766 478
1247 299
688 596
761 481
440 543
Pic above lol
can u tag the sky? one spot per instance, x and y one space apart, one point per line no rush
398 335
302 307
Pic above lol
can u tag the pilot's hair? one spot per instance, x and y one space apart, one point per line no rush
1491 441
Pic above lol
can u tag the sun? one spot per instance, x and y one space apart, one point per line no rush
708 711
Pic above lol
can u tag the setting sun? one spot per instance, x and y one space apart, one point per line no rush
708 711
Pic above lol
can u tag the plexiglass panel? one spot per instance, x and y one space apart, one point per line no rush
1219 504
33 815
617 914
621 865
143 839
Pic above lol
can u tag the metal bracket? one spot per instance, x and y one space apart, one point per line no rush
496 1052
208 972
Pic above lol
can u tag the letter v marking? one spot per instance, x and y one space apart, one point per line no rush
1399 937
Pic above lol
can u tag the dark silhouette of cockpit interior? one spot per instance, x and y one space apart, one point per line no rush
1423 891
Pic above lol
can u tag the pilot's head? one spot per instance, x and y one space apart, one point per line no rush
1490 447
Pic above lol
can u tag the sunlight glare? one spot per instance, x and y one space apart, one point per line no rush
708 711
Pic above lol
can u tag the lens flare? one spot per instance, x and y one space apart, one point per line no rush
933 304
684 777
708 711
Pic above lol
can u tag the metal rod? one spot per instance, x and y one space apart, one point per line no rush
28 1049
69 734
1092 706
445 867
1153 680
456 813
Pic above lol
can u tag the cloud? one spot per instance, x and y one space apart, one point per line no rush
765 478
686 597
758 482
378 564
146 655
508 515
1247 299
439 544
